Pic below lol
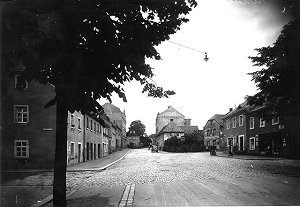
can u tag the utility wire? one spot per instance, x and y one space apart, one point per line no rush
186 46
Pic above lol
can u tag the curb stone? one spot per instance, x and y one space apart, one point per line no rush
50 197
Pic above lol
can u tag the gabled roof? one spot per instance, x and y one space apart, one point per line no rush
218 118
171 109
242 107
169 128
189 129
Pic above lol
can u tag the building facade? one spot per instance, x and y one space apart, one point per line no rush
213 132
75 143
270 134
118 117
27 128
167 132
165 117
234 130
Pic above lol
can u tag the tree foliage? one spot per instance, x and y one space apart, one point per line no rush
87 49
137 128
90 47
279 79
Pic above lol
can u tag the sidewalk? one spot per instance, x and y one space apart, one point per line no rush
27 188
247 157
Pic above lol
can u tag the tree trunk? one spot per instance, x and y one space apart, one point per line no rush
59 185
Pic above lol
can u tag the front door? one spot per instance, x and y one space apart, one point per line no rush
241 143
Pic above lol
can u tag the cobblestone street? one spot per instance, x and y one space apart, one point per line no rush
141 166
189 179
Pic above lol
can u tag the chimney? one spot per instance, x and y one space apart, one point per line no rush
187 122
230 109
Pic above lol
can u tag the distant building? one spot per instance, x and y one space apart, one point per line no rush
172 123
165 117
116 115
133 139
213 132
167 132
75 133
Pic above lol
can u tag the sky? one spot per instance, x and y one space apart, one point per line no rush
229 31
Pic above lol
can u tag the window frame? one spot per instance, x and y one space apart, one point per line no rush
72 154
262 122
227 124
72 120
16 156
273 118
16 83
16 114
241 117
234 122
250 144
79 123
252 119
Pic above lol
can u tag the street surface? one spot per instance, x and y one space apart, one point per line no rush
143 178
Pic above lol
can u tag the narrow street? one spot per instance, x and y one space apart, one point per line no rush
143 178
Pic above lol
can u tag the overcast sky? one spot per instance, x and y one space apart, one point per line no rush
228 31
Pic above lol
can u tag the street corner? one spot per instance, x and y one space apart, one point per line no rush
97 196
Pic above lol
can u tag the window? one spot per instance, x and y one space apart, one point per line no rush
252 143
95 127
20 82
262 122
208 132
251 122
79 123
87 123
275 120
21 148
21 114
214 132
72 149
241 120
91 125
228 124
72 121
234 122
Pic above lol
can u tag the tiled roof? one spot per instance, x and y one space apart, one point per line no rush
218 118
171 127
189 129
242 107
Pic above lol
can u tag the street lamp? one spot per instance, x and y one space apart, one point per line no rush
206 58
